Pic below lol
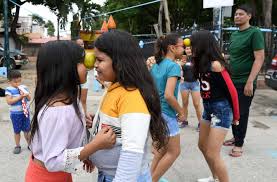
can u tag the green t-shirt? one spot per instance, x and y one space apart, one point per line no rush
242 46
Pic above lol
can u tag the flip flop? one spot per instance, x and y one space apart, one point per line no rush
235 153
230 142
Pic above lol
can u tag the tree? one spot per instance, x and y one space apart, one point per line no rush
186 13
61 9
38 19
50 28
137 20
183 13
14 18
87 10
267 11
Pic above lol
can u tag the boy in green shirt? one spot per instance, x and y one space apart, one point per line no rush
246 59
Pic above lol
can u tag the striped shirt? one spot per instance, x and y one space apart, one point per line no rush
126 113
16 108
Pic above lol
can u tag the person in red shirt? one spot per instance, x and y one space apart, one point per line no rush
220 101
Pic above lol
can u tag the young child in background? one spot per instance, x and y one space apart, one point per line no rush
17 96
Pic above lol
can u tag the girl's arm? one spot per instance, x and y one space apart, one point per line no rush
169 95
55 130
135 121
229 86
233 93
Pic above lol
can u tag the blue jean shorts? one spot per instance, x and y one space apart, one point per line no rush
218 113
20 123
172 125
144 177
190 86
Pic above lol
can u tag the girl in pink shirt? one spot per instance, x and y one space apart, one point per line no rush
58 125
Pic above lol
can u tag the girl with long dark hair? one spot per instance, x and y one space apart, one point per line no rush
220 101
58 125
166 73
131 107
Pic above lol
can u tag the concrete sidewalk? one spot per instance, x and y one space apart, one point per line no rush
258 163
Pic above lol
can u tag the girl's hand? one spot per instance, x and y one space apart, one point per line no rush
235 122
105 138
181 117
89 119
88 166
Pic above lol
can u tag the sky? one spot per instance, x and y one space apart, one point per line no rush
28 9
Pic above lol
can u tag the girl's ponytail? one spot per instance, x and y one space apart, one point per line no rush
162 44
159 52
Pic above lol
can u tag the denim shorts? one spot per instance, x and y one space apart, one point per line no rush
172 125
218 113
144 177
187 86
20 123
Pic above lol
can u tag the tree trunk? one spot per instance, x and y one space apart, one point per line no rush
267 12
13 28
160 20
58 28
166 14
255 19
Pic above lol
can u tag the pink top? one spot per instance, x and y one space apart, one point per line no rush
58 140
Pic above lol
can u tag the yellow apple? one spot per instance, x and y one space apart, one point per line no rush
187 42
89 60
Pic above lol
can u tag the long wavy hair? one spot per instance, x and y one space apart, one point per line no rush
131 72
57 77
162 43
205 50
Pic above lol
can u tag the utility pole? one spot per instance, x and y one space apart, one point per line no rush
58 28
6 36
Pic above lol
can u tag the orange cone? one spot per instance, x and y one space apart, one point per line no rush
111 23
104 27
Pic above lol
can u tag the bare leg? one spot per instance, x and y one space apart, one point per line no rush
171 154
196 102
27 137
185 100
17 139
203 142
214 144
157 157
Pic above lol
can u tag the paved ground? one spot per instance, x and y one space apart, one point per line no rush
258 163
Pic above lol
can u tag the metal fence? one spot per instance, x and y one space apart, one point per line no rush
149 40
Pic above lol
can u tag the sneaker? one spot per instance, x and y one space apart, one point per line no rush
209 179
183 124
17 150
162 180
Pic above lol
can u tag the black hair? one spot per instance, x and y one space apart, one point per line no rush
205 50
161 46
246 8
57 77
14 74
131 72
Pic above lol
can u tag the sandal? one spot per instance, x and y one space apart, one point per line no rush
230 142
236 153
